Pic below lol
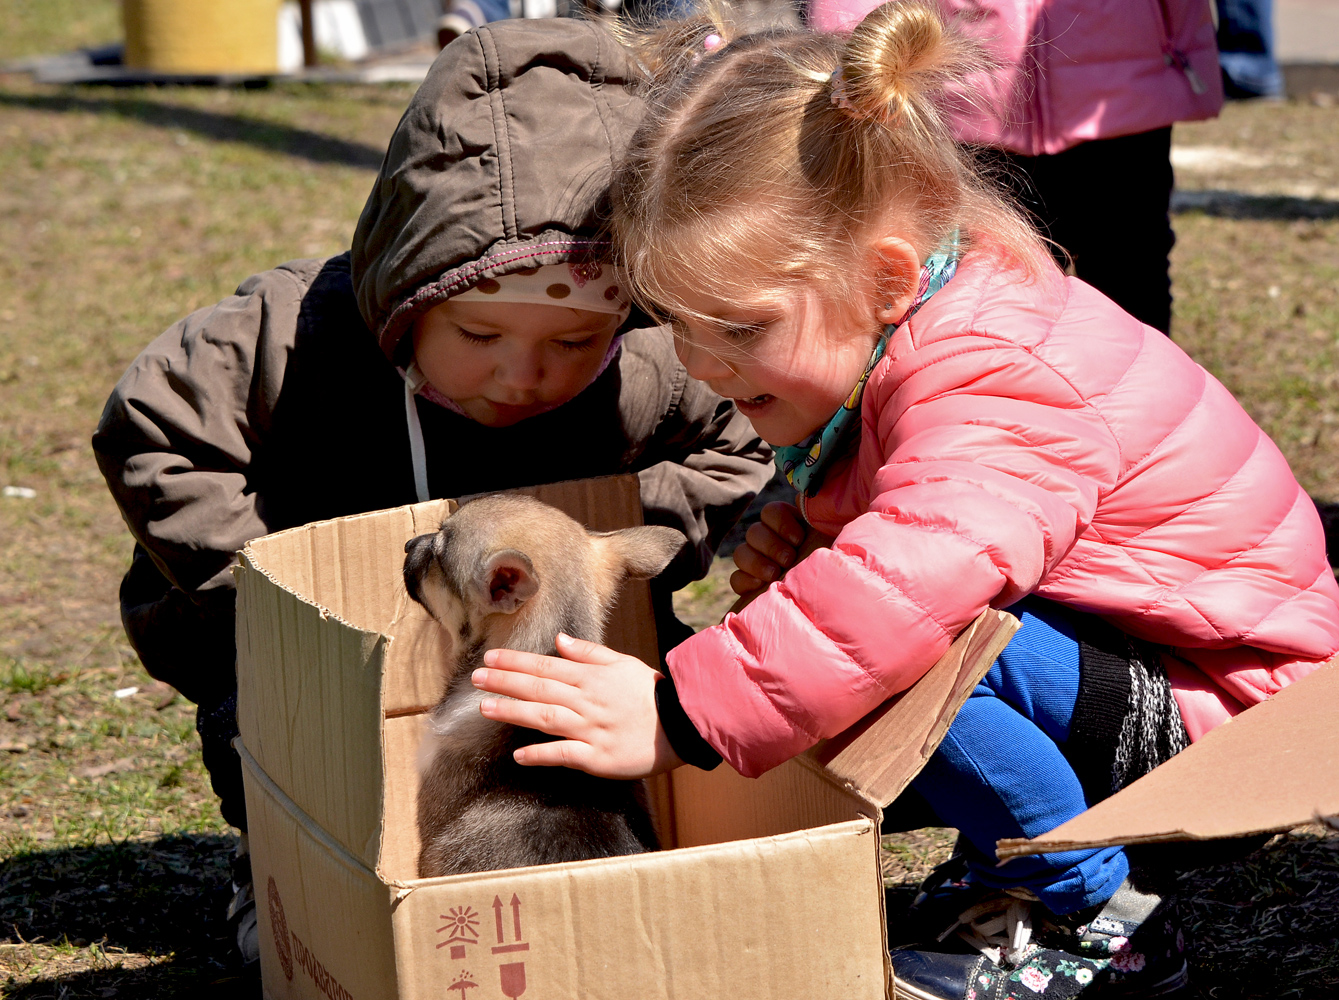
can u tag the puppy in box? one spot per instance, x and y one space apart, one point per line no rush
511 572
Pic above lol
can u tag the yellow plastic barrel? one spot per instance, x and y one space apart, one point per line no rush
202 36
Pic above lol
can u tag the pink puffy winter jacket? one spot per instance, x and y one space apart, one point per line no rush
1027 437
1073 70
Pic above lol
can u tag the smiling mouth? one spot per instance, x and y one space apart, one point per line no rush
754 401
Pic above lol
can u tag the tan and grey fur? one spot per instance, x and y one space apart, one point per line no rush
511 572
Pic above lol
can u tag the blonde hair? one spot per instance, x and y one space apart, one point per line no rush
777 158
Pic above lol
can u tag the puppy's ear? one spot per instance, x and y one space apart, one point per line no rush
642 553
505 581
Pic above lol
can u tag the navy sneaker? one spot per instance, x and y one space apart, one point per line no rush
1005 945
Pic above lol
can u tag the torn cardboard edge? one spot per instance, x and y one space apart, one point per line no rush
1271 768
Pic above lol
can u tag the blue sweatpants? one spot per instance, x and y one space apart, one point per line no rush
1000 773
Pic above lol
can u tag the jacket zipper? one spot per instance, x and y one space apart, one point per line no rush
1171 55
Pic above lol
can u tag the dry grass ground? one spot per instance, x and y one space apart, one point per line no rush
121 210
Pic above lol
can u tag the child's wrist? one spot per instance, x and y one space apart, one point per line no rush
684 739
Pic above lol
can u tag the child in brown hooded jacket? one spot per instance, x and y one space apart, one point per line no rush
473 339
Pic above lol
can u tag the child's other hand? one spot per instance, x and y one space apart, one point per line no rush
601 703
769 548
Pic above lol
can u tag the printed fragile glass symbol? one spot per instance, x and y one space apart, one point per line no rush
462 983
463 924
513 979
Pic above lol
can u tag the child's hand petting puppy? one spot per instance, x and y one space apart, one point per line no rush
770 548
601 703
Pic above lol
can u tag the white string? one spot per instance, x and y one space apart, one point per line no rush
418 454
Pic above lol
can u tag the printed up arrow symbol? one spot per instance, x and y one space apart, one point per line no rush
516 915
497 916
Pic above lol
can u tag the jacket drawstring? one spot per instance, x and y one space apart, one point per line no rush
418 454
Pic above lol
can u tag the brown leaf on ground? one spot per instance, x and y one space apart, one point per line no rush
102 770
160 694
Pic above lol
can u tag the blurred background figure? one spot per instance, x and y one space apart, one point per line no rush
1246 49
459 16
1076 114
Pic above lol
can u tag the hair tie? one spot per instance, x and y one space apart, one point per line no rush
837 84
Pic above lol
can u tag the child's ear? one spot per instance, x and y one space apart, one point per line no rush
642 553
897 271
505 581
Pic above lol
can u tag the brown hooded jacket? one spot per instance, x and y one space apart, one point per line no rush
282 404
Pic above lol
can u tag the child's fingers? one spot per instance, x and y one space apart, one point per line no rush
757 564
585 651
784 518
770 545
560 753
536 665
526 687
744 584
552 719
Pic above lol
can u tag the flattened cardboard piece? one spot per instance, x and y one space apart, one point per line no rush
1273 767
791 916
880 755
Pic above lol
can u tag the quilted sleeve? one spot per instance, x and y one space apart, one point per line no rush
992 466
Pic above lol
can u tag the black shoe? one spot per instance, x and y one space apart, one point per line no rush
1000 945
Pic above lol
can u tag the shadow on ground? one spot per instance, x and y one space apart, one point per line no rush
161 903
272 137
171 979
1227 204
1260 924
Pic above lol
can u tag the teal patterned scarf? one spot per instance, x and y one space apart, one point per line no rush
805 464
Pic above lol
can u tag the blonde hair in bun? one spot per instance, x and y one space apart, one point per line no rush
777 157
897 65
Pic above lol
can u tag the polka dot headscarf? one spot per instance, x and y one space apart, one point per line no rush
590 285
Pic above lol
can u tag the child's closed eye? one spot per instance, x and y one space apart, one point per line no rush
741 332
585 344
477 338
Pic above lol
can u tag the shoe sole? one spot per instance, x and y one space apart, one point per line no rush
1178 980
905 991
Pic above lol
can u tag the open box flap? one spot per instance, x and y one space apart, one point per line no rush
1273 767
879 756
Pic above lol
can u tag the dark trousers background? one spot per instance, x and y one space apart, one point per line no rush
1106 203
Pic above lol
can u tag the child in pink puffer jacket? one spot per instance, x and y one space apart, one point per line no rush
977 430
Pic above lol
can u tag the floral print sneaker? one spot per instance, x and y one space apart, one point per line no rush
1006 947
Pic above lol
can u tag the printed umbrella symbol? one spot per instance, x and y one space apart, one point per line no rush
462 984
513 979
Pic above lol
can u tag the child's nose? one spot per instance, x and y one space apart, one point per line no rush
521 371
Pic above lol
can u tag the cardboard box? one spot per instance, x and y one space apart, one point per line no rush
767 888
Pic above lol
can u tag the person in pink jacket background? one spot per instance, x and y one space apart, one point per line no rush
976 430
1077 108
